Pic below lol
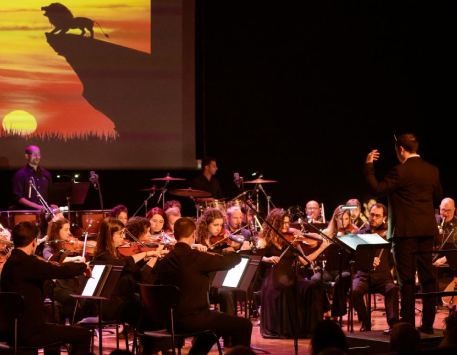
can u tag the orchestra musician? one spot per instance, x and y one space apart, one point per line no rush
284 315
62 247
235 218
124 304
207 180
190 270
313 212
121 213
379 279
25 273
32 172
357 217
335 261
446 264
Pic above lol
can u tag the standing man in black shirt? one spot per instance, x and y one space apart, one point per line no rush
190 270
25 196
207 180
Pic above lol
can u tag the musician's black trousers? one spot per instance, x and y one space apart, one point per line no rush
361 284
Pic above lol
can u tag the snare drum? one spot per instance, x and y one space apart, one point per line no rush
205 203
9 219
88 221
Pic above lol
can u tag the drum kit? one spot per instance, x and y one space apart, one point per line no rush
89 220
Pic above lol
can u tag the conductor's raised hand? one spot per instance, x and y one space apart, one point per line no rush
372 156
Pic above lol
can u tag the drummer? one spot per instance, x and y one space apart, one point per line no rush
26 196
206 180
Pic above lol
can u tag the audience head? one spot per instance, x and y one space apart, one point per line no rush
450 332
404 338
328 335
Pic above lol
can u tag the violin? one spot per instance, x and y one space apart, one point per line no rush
72 247
308 240
132 248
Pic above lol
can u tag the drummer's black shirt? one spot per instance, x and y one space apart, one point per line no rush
42 179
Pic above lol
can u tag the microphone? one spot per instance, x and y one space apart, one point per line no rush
236 238
30 188
237 179
93 179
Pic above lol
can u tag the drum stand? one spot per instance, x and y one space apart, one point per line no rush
270 204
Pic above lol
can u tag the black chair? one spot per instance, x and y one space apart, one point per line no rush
158 305
11 310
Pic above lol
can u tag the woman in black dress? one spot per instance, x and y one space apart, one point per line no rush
290 304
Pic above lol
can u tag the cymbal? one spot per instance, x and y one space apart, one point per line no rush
189 193
168 178
260 181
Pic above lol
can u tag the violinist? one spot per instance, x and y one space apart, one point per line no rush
120 212
158 218
379 279
61 247
211 232
335 261
172 215
25 273
282 285
124 304
234 225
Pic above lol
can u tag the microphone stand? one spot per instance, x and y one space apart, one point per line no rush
145 203
298 252
41 198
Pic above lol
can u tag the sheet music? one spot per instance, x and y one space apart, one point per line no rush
234 275
354 240
93 281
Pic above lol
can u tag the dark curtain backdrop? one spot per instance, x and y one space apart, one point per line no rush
301 91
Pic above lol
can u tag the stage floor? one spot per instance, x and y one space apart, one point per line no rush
286 346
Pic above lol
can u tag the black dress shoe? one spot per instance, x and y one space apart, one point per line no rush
426 330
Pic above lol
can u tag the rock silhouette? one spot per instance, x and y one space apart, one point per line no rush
118 81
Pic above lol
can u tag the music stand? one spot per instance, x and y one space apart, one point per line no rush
364 248
240 276
99 288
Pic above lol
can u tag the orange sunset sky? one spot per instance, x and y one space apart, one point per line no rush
34 79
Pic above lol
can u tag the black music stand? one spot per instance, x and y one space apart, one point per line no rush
99 287
364 247
63 193
240 276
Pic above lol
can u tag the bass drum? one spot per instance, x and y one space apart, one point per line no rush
88 221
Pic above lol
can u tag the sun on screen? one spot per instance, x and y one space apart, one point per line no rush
19 122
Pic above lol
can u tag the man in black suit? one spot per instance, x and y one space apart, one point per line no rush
190 270
25 274
413 189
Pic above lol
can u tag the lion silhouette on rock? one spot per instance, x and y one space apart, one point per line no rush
63 20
